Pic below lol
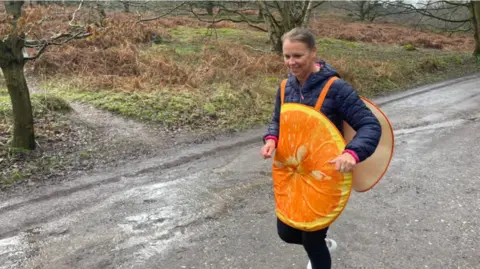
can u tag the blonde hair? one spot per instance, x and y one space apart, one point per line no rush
299 34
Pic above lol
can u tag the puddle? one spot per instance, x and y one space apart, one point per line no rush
168 216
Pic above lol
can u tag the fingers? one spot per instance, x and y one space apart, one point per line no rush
267 151
343 163
263 151
270 151
346 167
338 163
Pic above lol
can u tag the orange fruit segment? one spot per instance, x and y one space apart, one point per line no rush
309 192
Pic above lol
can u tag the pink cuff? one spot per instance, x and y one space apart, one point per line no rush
351 152
273 138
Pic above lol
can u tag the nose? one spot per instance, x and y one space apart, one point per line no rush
291 61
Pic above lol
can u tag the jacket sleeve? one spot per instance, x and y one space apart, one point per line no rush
273 127
356 113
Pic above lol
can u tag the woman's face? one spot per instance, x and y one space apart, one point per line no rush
299 58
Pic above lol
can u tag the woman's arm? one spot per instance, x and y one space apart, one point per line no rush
273 128
355 112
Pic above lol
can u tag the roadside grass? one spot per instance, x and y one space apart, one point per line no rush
381 69
222 106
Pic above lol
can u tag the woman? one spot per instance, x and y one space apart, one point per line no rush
305 82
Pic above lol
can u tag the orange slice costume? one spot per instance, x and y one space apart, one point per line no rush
310 193
369 172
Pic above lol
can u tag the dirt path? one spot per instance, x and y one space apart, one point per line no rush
113 126
91 140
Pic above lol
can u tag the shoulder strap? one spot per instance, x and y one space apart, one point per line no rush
324 92
282 90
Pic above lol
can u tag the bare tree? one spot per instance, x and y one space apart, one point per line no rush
363 10
166 13
279 17
451 12
370 10
12 61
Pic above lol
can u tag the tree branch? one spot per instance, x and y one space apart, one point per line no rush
264 5
227 19
54 40
429 14
383 12
457 4
426 12
75 12
40 52
455 29
318 4
244 18
163 15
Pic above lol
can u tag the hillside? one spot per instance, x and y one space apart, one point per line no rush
176 76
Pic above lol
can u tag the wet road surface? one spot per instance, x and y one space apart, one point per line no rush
212 206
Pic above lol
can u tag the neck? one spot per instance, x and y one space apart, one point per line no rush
315 68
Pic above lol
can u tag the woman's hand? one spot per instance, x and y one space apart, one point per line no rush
344 163
268 148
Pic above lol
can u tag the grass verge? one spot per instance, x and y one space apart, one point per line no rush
222 106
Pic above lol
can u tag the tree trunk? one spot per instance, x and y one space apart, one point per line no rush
274 35
126 6
308 15
276 41
362 11
475 9
260 14
209 8
23 131
291 15
12 63
276 29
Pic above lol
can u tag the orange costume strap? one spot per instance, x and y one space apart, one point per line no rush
282 90
321 98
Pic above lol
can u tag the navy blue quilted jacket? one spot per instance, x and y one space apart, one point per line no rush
341 103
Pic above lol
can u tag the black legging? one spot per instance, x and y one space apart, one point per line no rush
313 242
